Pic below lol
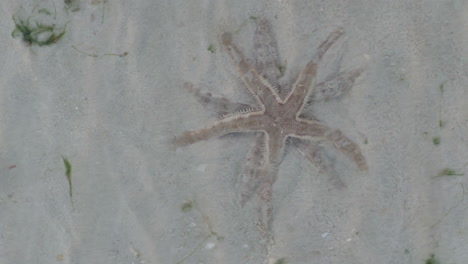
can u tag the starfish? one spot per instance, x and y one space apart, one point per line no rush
278 115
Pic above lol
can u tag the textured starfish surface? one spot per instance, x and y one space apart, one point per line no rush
278 115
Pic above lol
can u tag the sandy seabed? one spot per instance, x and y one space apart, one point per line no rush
108 97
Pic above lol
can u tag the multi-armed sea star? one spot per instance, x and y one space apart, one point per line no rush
278 116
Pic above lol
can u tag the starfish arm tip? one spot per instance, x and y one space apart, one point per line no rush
183 139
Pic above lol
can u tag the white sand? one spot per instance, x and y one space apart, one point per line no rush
113 117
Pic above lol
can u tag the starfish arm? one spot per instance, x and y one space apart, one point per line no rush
267 174
266 53
317 156
298 96
257 85
221 105
307 129
265 194
332 38
348 147
335 87
274 150
252 170
239 123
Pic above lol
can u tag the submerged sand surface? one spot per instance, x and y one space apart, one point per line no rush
108 97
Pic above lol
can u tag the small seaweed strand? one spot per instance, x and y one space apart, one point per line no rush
195 249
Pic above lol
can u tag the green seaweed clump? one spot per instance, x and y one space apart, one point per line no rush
448 172
42 31
72 5
281 261
68 170
211 48
186 206
432 260
282 69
